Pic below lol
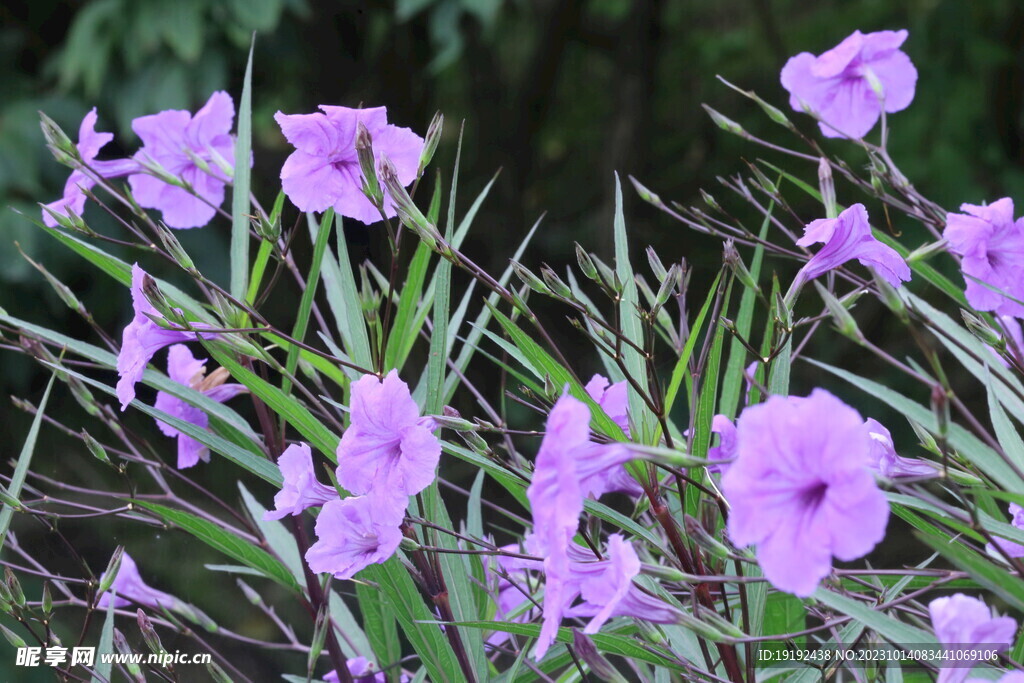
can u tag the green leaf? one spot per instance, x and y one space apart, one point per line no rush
887 626
680 367
225 542
701 440
631 327
343 299
995 578
379 622
240 208
418 622
287 407
24 461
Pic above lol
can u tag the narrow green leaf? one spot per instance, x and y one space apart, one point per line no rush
24 461
680 367
240 209
887 626
225 542
380 625
343 298
996 579
106 644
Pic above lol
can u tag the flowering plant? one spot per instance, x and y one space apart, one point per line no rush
674 517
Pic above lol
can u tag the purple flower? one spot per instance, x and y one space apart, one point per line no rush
846 237
1009 677
142 338
612 398
130 587
800 491
361 670
354 533
301 489
175 140
511 593
882 457
388 445
185 369
89 144
607 589
324 171
992 246
960 621
1009 547
837 85
726 448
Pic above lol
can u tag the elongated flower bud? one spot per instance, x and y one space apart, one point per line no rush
364 150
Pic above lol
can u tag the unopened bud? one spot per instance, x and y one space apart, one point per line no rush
14 586
844 322
113 567
586 264
408 212
250 594
699 535
454 423
828 188
710 201
218 674
890 297
430 142
555 283
12 637
364 151
267 229
149 633
599 666
724 122
174 248
657 267
732 258
646 194
63 149
980 329
122 646
529 279
926 251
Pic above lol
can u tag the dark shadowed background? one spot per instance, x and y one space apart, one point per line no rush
558 94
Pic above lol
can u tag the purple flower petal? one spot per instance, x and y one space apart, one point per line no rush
352 534
301 489
992 246
846 237
129 587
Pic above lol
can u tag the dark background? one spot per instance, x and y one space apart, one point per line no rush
556 93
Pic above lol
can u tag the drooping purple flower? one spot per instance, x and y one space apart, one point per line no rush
89 144
883 459
961 621
1010 547
607 589
388 445
362 670
556 500
301 489
324 170
129 587
612 398
175 140
992 246
800 490
837 84
353 533
142 338
847 237
184 368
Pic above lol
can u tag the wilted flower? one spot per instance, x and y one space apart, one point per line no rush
324 170
960 621
142 338
184 368
884 460
1009 547
301 489
129 587
846 237
353 533
388 445
800 491
849 85
992 246
175 140
89 144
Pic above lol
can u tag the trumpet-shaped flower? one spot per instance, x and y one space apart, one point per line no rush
129 587
961 621
847 237
1009 547
142 338
850 85
800 489
324 170
992 246
884 460
612 398
89 144
184 368
191 148
388 445
353 533
301 489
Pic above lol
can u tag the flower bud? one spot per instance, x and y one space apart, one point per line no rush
699 535
710 201
430 142
122 646
408 212
174 248
828 188
12 637
645 194
218 674
364 151
149 633
657 267
555 283
724 122
529 279
63 149
840 316
599 666
926 251
586 264
890 297
47 601
251 595
14 586
731 257
980 329
113 566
